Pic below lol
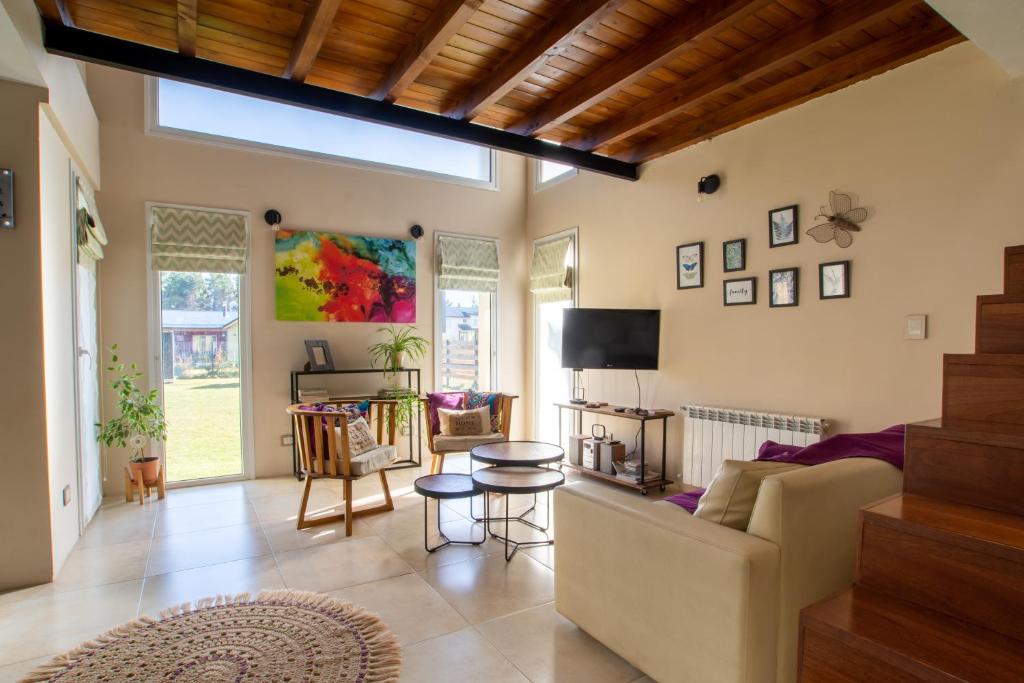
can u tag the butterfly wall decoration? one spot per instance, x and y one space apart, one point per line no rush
841 221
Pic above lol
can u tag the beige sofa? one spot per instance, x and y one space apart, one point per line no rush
684 599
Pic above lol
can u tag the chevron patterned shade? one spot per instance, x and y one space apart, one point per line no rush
468 264
550 277
191 240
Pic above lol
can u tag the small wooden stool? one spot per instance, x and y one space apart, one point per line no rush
130 485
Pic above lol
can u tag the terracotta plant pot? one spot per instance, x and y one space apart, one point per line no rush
147 468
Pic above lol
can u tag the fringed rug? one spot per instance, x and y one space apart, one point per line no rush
278 636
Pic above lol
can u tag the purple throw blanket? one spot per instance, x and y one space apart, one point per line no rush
886 445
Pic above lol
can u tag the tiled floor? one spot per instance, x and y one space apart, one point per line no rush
461 614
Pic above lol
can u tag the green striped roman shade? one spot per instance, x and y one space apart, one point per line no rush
196 241
550 277
91 236
468 264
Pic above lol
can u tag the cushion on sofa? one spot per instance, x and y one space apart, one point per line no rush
448 444
373 460
731 495
451 400
474 422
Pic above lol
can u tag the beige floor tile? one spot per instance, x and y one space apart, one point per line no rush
102 565
118 524
461 656
282 507
202 516
543 554
15 672
203 548
284 537
546 646
488 587
340 565
197 495
272 486
57 622
250 575
404 533
408 605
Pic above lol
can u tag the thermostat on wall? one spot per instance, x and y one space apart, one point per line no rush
916 327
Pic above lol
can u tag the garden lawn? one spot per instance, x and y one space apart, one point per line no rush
204 429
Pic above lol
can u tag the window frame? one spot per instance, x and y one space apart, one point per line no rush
436 318
539 186
153 128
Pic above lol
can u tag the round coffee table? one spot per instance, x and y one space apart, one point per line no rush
516 479
512 453
445 487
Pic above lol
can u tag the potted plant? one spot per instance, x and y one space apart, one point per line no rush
141 419
401 345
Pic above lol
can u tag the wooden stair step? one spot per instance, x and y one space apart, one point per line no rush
1013 270
999 326
983 387
861 636
975 463
961 560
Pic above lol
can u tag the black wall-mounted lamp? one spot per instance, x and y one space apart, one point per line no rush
273 218
416 231
709 184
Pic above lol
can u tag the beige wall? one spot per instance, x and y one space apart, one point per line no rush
934 149
138 168
24 492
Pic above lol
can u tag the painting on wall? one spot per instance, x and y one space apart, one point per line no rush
782 226
785 287
690 265
329 277
734 255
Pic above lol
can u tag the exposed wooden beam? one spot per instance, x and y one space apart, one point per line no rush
554 38
447 18
153 61
763 57
315 24
703 19
56 11
188 13
910 43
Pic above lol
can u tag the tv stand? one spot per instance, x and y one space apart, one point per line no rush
639 483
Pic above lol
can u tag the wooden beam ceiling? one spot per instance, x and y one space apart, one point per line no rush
552 39
315 24
447 18
877 57
788 46
56 11
699 21
188 13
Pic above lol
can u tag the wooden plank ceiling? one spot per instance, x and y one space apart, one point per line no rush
629 79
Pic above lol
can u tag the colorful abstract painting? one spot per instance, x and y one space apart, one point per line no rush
339 278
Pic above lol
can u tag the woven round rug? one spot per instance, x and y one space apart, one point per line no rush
277 636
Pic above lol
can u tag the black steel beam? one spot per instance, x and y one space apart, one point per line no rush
100 49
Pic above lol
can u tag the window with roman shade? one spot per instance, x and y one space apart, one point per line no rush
91 237
197 241
468 264
550 275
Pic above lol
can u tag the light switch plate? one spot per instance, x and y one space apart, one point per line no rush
66 494
6 198
916 326
287 440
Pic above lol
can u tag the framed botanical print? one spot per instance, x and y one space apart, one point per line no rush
740 292
784 287
690 265
834 280
734 255
783 226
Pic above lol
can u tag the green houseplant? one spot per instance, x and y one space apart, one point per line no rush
141 419
401 345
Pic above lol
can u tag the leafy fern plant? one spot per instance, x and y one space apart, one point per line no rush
401 344
141 417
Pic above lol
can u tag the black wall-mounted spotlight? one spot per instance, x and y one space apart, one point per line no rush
709 184
416 231
273 218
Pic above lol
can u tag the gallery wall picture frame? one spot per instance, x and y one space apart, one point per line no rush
319 353
734 255
783 287
741 291
834 280
784 226
690 265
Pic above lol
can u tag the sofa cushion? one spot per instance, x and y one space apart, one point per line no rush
448 444
360 437
731 495
474 422
452 400
373 460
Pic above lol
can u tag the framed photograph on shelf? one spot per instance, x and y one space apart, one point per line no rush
834 280
740 292
783 226
319 353
690 265
734 255
784 287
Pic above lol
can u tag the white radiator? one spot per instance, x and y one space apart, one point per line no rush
711 435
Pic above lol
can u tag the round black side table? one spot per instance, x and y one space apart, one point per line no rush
444 487
513 479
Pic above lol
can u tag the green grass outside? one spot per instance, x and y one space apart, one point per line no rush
204 429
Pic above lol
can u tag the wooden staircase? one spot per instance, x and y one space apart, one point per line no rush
939 594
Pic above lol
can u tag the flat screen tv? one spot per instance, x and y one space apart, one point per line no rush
610 338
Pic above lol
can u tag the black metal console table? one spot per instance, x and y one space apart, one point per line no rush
639 483
412 383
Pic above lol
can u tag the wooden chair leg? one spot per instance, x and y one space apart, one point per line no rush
388 503
161 484
129 492
301 524
440 463
142 487
348 507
